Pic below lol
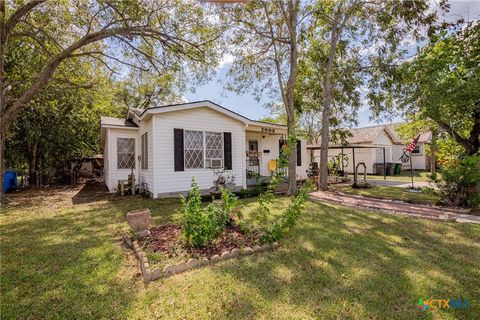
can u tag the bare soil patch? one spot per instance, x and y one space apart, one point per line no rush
166 240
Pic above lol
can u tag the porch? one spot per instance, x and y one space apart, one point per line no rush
263 143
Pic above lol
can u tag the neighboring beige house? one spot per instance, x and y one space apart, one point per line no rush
166 146
370 142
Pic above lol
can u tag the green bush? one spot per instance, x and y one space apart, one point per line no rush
264 228
277 230
460 182
201 226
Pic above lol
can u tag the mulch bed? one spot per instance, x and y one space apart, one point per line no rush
166 239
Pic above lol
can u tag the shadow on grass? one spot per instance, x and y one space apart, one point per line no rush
64 265
336 263
341 263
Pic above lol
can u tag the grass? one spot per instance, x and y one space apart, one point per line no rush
418 176
66 262
393 193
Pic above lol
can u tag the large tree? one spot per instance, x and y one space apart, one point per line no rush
263 38
360 37
441 84
144 35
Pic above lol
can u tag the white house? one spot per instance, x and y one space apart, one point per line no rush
369 143
166 146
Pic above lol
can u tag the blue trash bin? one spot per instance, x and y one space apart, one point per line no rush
10 182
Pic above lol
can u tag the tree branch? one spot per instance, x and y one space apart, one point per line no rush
17 15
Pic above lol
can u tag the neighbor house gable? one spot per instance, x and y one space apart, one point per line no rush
374 135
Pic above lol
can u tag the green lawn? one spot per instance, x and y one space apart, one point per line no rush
64 261
393 193
405 176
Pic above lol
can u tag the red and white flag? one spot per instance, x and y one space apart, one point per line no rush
412 144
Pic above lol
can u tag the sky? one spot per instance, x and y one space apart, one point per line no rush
249 107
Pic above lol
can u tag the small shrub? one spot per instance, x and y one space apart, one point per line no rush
277 230
201 226
429 191
460 182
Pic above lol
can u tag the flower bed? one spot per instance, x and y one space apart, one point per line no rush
163 254
207 234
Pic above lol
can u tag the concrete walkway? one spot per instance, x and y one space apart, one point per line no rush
400 184
399 207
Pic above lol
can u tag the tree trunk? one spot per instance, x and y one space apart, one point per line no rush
327 103
3 197
292 164
433 153
290 98
3 127
472 143
32 166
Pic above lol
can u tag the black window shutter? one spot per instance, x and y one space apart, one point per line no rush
227 150
299 153
178 149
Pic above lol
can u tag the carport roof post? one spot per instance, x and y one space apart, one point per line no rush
353 147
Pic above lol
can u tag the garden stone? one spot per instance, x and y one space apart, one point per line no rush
146 278
264 247
181 267
247 250
156 274
127 240
143 234
225 255
215 258
192 263
275 245
257 249
168 270
204 261
235 252
138 220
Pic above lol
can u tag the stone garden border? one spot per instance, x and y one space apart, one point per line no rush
151 275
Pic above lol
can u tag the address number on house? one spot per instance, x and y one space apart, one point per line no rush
268 130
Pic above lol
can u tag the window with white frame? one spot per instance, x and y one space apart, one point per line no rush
193 144
203 149
416 150
125 153
144 141
213 150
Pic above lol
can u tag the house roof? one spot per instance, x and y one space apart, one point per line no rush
116 122
367 135
199 104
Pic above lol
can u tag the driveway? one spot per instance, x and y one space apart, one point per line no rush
399 207
401 184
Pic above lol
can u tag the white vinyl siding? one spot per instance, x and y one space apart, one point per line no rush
106 166
113 174
145 179
202 119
